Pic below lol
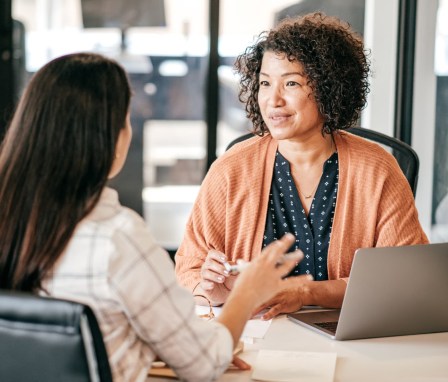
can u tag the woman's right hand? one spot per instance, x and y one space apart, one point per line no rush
214 272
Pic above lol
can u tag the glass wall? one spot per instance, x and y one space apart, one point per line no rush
163 45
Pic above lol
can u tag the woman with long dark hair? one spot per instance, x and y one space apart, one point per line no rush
63 233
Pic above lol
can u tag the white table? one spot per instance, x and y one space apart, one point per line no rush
419 358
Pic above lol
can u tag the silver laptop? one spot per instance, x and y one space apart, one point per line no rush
391 291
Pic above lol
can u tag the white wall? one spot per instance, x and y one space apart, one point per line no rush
380 35
424 106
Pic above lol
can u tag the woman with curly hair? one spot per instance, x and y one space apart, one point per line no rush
303 83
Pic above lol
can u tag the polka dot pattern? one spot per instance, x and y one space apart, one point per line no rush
286 214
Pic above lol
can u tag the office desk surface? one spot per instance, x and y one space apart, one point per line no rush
418 358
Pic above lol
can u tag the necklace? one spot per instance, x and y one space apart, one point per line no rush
310 195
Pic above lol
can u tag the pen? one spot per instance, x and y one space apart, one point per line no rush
234 269
240 265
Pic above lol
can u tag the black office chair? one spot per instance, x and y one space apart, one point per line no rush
239 139
406 157
51 340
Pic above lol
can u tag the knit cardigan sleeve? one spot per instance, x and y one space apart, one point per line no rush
229 213
375 206
204 231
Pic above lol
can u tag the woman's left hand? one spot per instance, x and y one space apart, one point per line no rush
287 301
304 291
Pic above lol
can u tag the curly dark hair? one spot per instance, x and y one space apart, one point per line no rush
334 61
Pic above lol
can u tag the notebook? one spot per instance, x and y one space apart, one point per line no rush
391 291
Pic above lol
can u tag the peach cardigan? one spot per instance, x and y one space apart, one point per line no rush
374 207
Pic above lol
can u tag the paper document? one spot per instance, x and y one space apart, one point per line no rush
255 328
291 366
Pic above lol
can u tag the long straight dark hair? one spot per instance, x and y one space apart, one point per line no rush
55 160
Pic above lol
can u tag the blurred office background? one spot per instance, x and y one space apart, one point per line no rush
179 57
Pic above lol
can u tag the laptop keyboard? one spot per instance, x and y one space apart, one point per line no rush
330 325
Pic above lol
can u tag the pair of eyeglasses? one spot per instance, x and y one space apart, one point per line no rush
210 315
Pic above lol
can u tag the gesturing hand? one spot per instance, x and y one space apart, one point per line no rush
264 277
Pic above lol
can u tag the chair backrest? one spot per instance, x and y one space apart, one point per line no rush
51 340
239 139
405 155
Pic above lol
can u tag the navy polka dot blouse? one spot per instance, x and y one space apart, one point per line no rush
286 214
